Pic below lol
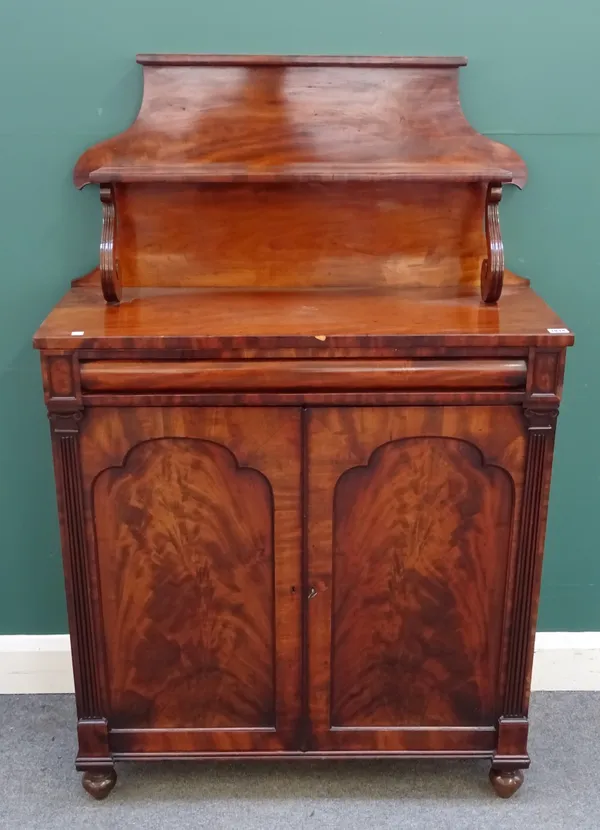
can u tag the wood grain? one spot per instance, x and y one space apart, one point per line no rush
412 573
197 319
167 59
186 528
186 552
81 577
300 173
302 469
79 563
171 376
410 534
422 397
164 744
298 121
269 114
60 380
541 426
289 236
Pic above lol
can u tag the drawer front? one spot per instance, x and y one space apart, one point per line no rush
300 375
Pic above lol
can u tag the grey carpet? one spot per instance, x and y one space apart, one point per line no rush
39 789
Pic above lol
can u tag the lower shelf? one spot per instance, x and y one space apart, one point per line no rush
287 756
414 742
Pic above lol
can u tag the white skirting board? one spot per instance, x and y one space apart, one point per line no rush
41 664
35 664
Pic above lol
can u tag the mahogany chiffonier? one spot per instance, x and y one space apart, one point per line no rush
302 421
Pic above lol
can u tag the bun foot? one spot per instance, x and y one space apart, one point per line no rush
506 782
99 784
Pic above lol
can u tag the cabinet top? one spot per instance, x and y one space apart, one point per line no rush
318 320
170 59
271 118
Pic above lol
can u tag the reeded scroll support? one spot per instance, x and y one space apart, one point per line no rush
492 268
109 272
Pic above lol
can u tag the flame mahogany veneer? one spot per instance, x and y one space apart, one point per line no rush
302 422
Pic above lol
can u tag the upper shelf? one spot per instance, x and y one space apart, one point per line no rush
215 173
232 118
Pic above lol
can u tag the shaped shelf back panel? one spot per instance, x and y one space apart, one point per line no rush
289 171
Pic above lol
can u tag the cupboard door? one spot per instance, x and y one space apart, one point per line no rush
194 517
409 550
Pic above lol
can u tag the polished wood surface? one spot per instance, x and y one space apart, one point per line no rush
304 173
409 567
187 508
319 319
109 269
506 783
172 376
235 123
438 61
260 115
212 604
340 235
99 784
441 742
302 424
492 268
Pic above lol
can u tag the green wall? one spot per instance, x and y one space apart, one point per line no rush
68 78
